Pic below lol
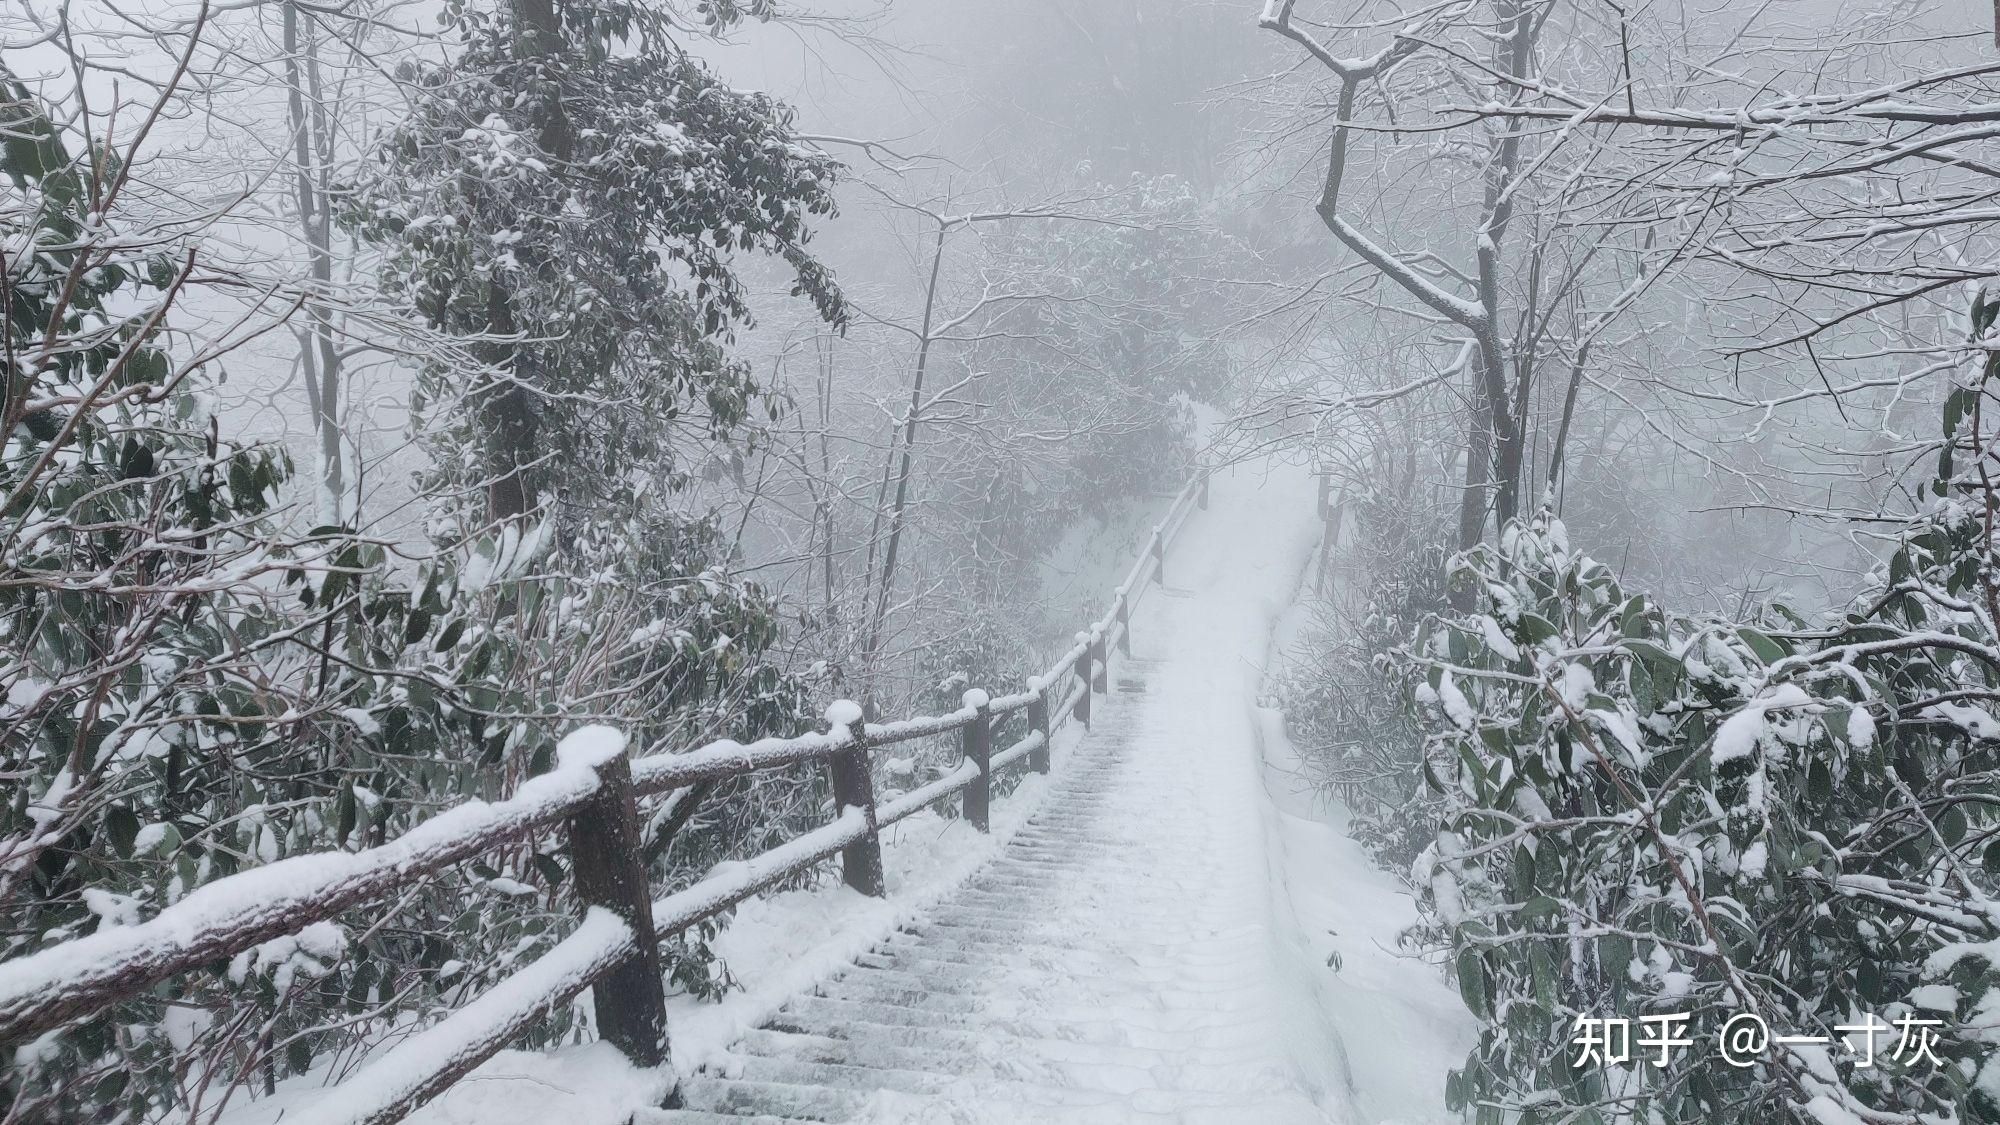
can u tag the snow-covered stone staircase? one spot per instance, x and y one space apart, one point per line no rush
1114 961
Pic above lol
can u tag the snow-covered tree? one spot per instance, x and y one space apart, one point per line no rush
1646 812
192 689
565 200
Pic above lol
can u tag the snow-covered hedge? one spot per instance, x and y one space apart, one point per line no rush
1651 813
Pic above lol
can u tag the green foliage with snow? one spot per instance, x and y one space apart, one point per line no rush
564 205
187 689
1650 813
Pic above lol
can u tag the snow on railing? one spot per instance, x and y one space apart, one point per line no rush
387 1088
593 791
661 773
731 883
46 989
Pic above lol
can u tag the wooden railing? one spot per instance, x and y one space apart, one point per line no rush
592 793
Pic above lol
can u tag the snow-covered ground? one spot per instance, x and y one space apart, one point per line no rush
780 945
1401 1024
1368 1028
1193 906
1177 934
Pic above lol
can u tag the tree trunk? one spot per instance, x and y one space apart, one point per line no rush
1514 51
826 471
507 408
507 411
312 150
873 644
1478 479
1568 415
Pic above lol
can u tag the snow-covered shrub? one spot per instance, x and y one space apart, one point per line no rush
326 702
1347 710
143 733
990 653
1650 813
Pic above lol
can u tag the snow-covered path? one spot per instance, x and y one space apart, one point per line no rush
1129 955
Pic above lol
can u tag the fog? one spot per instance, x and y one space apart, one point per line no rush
1570 413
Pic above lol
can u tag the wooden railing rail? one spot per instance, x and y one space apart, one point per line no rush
593 792
49 988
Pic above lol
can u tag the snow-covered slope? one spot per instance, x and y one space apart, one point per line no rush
1398 1023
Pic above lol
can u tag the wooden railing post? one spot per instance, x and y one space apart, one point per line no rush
854 788
979 751
1082 708
609 867
1201 498
1124 623
1038 719
1159 549
1101 680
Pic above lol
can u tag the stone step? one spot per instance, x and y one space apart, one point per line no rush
979 947
977 1105
1077 887
1014 931
1077 842
1097 845
705 1117
1081 784
1086 881
900 940
823 1015
813 1026
1170 932
783 1100
987 1091
903 990
920 1049
1100 843
1158 917
1003 1100
767 1070
1007 891
952 977
812 1013
1040 962
1078 869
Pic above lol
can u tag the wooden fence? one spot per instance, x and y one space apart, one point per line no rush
592 794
